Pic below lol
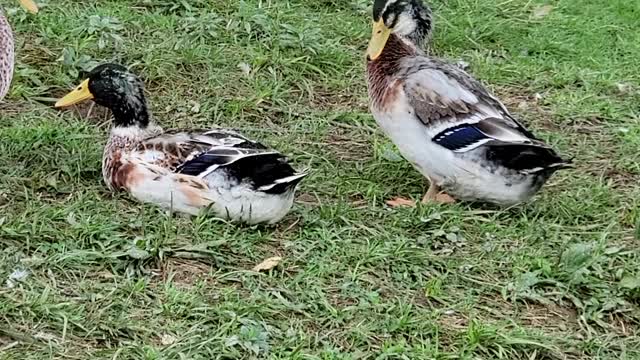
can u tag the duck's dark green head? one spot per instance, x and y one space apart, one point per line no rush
114 87
410 19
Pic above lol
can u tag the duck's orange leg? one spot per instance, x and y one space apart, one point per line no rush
435 195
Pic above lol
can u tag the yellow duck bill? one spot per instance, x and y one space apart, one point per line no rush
378 40
30 6
79 94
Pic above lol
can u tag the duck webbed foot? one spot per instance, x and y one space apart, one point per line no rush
434 195
399 201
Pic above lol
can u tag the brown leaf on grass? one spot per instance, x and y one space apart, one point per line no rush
444 198
542 11
167 339
397 202
268 264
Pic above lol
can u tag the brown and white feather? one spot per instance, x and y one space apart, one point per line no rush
6 55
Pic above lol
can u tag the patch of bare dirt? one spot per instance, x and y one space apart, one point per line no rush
186 273
550 316
453 320
12 108
347 99
348 146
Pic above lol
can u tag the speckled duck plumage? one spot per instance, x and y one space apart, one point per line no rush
6 55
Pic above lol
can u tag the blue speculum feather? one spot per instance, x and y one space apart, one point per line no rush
459 137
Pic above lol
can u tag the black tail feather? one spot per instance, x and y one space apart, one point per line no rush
283 185
263 170
525 158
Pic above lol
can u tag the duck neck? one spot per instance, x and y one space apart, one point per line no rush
131 113
397 48
383 70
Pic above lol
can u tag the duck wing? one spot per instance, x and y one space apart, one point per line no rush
174 147
200 153
266 171
462 115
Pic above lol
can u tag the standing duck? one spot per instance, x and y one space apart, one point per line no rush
190 170
6 48
446 123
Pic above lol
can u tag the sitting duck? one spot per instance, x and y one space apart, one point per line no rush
184 170
446 123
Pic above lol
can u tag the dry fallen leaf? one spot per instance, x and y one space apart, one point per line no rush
623 88
245 68
542 11
444 198
167 339
397 202
268 264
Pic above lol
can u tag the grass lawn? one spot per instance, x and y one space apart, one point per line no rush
557 278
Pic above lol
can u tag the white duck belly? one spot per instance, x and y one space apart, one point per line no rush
240 202
465 176
225 198
218 192
488 182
